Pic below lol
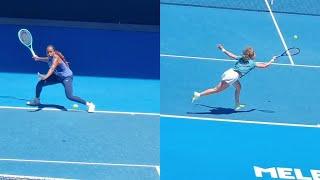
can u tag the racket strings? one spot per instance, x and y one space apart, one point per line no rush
293 51
25 38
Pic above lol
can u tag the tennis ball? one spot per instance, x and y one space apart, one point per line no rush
75 106
295 37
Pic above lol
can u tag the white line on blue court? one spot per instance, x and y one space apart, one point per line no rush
239 121
174 116
279 31
158 170
80 163
103 112
173 56
156 167
11 176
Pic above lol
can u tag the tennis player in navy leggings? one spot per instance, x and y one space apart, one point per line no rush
59 72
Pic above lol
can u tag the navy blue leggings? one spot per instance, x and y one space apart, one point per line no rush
67 83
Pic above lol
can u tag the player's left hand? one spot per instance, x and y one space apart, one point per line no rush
41 76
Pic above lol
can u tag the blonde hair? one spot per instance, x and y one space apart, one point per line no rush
248 53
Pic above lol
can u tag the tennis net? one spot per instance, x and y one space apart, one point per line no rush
302 7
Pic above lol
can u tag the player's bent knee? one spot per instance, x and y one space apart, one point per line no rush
69 96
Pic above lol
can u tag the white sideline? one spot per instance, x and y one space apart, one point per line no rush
279 31
180 117
239 121
158 170
78 163
104 112
30 177
229 60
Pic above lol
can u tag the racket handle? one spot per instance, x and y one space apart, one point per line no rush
33 53
274 58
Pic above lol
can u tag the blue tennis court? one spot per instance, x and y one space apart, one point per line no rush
121 140
209 139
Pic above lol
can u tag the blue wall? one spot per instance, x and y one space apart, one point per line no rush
92 52
110 11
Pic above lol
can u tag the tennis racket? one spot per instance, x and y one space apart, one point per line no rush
292 51
25 38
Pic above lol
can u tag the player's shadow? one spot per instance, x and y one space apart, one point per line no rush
13 98
40 107
52 106
222 110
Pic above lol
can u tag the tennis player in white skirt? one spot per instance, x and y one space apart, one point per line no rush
245 63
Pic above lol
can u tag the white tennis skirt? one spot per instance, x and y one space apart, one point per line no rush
230 76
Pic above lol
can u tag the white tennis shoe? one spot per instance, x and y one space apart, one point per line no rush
239 107
91 107
34 102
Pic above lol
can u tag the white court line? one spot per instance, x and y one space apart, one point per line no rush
158 170
229 60
10 176
176 116
103 112
79 163
239 121
279 31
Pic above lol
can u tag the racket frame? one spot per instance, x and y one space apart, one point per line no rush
30 45
285 53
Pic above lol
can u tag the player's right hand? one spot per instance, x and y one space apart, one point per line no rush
36 58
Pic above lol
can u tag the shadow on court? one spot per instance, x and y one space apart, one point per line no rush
14 98
54 106
40 107
222 110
